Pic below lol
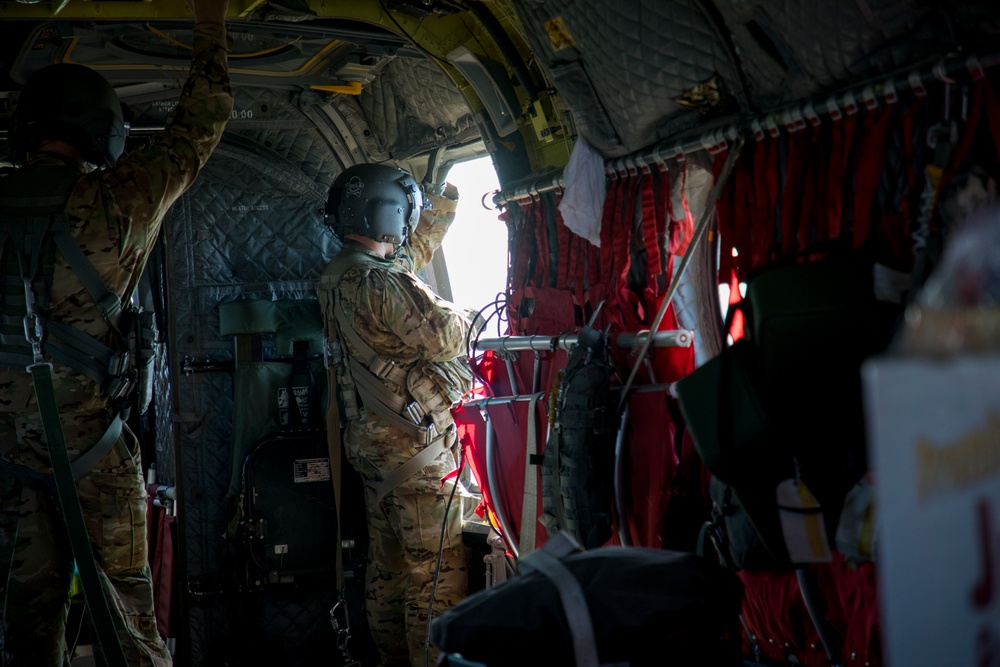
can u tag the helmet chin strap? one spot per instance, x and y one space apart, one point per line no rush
63 150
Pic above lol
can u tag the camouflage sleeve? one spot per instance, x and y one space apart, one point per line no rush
136 194
433 329
434 224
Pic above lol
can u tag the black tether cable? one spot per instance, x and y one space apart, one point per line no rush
76 527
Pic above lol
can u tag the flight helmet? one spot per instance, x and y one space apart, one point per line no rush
71 103
377 201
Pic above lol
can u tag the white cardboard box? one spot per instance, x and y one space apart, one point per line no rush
934 446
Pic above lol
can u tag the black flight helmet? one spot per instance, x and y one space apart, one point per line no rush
71 103
377 201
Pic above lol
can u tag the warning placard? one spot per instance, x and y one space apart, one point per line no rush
312 470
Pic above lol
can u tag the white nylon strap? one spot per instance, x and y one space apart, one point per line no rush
529 508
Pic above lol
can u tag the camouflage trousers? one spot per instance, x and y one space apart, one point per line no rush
36 561
405 531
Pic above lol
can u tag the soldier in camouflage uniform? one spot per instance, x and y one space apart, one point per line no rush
392 323
115 215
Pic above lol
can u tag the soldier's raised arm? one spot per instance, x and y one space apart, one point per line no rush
165 170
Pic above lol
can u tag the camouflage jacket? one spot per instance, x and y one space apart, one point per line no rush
116 214
393 310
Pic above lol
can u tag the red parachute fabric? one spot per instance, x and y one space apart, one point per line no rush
160 537
776 615
650 465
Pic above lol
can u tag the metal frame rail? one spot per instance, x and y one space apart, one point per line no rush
508 347
788 118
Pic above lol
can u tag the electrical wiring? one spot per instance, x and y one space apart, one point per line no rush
499 306
440 557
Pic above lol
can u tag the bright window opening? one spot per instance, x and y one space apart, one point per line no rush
475 248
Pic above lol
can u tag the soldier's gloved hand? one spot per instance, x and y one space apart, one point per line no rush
444 190
476 321
209 11
436 189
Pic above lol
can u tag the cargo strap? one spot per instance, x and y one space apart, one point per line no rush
529 507
870 157
72 512
707 216
574 603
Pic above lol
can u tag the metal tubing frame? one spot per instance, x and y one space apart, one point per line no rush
491 476
788 118
538 343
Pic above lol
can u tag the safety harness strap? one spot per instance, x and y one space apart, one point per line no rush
107 301
370 371
44 482
335 446
29 220
97 602
83 352
368 374
382 369
415 464
378 367
90 458
376 397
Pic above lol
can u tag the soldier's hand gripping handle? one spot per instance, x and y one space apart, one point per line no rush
209 11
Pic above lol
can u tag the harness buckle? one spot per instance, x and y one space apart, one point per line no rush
29 367
33 333
415 412
381 368
333 354
119 386
431 434
118 364
110 305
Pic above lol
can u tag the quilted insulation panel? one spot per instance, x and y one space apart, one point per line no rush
263 190
629 87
